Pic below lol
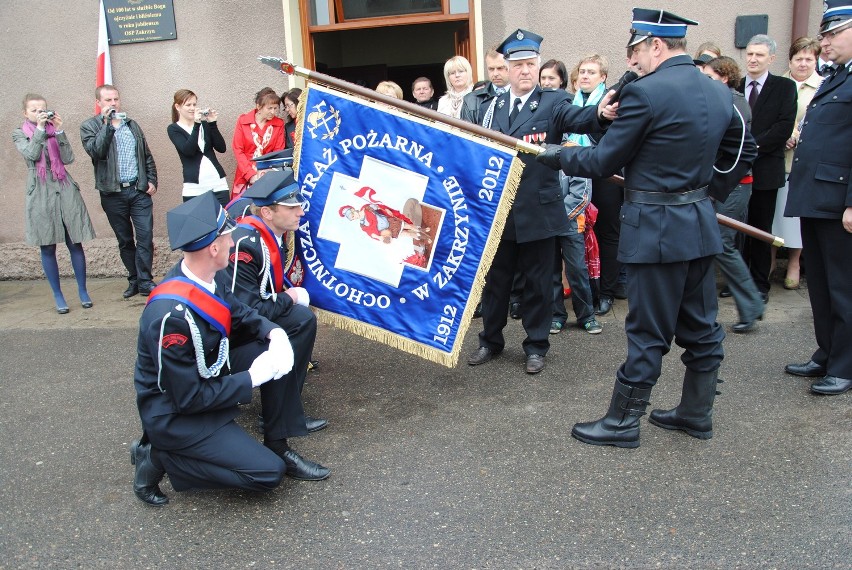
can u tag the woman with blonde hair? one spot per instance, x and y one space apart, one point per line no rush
459 77
390 89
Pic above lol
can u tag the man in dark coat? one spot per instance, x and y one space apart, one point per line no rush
821 195
498 83
126 177
200 353
673 124
257 275
537 216
773 116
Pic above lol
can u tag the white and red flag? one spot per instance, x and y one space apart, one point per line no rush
104 66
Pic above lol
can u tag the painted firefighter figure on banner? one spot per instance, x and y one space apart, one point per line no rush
382 223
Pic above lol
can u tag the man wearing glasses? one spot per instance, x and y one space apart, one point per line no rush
821 195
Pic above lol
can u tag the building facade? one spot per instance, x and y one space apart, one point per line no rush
218 41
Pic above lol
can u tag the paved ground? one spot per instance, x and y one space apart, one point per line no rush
432 467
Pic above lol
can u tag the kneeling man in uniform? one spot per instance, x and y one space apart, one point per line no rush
200 353
256 275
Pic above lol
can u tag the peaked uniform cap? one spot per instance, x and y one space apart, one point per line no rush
276 187
521 44
837 13
657 24
702 59
197 222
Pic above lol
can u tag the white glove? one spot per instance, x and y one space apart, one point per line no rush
302 296
281 351
262 369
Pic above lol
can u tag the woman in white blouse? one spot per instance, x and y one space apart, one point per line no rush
197 139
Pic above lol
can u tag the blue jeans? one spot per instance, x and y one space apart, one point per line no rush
572 249
730 261
132 211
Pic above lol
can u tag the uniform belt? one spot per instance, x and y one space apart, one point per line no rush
128 184
665 198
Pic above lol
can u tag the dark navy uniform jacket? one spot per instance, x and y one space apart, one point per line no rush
821 178
538 212
185 408
673 124
247 258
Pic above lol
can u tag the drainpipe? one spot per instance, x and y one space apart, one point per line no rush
801 11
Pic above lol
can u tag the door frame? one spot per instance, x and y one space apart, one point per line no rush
299 47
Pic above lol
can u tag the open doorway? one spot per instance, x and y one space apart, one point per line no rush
396 40
399 53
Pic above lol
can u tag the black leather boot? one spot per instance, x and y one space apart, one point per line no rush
620 426
694 414
146 481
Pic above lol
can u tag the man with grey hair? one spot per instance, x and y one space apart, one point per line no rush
773 106
528 243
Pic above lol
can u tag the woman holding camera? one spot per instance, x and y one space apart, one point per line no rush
197 139
55 211
258 132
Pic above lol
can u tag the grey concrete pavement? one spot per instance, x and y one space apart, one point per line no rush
431 467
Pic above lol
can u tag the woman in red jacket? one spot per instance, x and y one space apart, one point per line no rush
258 132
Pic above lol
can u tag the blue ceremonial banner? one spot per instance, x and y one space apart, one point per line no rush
403 220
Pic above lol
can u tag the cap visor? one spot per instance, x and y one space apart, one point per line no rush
833 24
522 54
229 226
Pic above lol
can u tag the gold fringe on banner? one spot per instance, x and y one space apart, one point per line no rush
507 198
300 125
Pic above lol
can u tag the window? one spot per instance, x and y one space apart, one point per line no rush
357 9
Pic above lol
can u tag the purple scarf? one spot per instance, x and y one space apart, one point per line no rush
56 166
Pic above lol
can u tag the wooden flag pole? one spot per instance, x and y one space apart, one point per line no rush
472 128
290 69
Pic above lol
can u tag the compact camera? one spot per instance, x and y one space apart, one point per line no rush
204 112
114 115
50 114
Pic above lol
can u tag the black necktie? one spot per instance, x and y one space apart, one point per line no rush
516 108
825 70
752 97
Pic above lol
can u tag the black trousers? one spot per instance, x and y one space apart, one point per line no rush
229 458
758 254
827 246
281 400
671 301
534 260
131 211
223 196
608 198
